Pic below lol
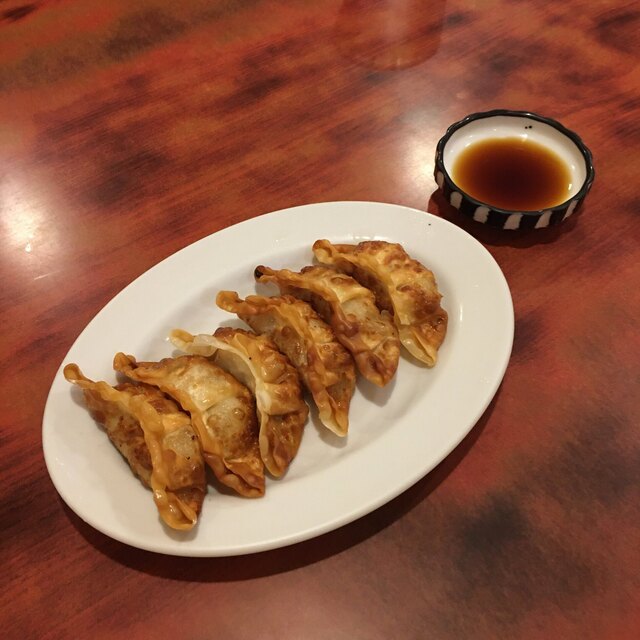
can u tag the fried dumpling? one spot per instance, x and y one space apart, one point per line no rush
350 310
325 366
402 286
222 412
157 440
258 364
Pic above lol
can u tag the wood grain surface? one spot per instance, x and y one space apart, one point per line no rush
129 130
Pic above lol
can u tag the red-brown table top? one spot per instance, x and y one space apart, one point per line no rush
130 130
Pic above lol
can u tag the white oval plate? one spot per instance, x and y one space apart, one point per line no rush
396 435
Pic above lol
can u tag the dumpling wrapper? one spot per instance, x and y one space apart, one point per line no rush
258 364
325 366
404 287
222 412
350 310
157 440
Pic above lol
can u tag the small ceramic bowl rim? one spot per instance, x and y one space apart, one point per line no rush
479 115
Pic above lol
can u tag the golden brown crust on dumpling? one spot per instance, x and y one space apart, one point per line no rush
222 411
157 440
256 361
325 366
350 310
402 286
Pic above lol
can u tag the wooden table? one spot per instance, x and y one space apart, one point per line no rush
129 130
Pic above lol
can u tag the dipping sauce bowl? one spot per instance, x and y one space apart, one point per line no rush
513 169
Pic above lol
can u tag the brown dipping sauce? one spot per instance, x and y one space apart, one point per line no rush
512 173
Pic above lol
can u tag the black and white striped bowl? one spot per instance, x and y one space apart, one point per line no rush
502 123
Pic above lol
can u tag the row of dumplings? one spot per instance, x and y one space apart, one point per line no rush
235 400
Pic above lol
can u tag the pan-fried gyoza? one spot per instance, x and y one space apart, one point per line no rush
402 286
325 366
256 361
350 310
236 399
157 440
222 411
